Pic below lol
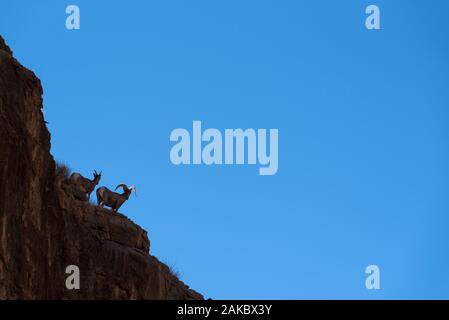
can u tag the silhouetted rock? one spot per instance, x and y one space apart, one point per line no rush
4 46
44 227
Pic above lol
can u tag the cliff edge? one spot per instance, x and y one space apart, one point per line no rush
44 229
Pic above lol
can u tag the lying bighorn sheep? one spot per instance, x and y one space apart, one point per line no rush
114 200
86 185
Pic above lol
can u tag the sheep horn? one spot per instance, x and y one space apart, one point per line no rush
123 186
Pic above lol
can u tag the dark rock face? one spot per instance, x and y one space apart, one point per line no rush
44 228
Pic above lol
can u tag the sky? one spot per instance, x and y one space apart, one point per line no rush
363 135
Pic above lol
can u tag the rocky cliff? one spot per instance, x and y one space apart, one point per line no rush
44 229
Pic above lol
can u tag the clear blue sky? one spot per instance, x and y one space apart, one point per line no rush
363 134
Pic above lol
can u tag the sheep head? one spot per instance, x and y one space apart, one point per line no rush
127 191
97 176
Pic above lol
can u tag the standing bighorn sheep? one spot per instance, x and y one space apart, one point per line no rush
114 200
85 185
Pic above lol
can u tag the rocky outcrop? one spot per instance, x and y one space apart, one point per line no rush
44 228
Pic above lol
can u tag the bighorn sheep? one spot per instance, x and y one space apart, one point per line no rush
114 200
85 185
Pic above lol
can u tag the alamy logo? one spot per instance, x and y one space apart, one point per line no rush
72 22
372 282
209 148
372 22
72 282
